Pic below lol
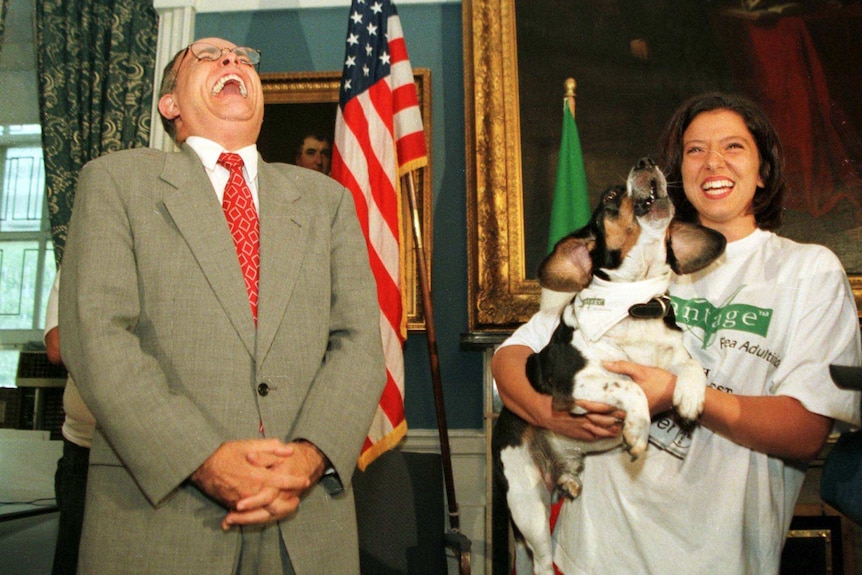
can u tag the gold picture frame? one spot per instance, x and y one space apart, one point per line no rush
295 101
501 291
500 294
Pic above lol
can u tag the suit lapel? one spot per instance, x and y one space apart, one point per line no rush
195 210
282 241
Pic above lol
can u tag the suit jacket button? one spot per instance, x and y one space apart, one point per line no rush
262 389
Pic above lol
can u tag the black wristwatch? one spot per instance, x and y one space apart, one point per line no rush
331 481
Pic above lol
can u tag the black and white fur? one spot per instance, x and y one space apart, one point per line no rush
631 238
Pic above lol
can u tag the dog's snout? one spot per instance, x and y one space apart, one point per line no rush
645 163
648 189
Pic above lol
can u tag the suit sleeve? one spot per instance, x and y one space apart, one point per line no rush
156 432
346 389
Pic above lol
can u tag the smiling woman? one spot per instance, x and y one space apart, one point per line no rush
634 62
721 172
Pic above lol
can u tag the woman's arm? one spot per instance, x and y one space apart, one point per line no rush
777 425
508 367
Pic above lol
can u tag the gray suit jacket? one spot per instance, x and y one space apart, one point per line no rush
156 328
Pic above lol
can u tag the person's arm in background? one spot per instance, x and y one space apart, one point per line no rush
51 335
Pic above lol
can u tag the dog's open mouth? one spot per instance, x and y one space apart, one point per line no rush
648 189
643 205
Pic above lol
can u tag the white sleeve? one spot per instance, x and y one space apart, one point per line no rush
825 332
536 333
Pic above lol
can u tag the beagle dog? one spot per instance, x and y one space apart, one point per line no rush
620 265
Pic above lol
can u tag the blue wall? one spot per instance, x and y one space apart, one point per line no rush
313 40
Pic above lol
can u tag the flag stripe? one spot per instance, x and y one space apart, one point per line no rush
379 135
409 148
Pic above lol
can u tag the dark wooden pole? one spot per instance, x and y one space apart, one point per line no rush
433 355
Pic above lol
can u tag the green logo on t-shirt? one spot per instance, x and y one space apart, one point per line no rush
699 313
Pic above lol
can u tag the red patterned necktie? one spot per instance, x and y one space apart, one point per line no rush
242 220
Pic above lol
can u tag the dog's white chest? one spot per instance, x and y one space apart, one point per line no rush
647 342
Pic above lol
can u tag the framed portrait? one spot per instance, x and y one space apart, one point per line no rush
634 63
300 103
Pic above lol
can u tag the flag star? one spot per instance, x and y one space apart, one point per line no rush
353 39
356 17
369 49
365 71
372 30
377 8
384 58
350 62
347 85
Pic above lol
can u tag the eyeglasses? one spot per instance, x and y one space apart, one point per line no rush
210 53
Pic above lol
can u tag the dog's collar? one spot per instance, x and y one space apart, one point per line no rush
657 308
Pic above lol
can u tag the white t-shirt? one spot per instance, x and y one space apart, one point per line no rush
767 319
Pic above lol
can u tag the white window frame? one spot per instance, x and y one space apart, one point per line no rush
16 339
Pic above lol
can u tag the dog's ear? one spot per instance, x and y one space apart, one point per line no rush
692 247
569 267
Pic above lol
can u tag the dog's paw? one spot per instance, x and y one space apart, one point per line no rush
690 392
569 485
635 435
688 400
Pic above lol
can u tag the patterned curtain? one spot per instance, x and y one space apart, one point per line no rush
4 7
95 61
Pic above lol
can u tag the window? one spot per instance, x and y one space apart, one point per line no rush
27 266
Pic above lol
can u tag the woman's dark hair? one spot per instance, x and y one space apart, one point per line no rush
768 203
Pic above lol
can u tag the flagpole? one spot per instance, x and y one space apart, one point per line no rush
433 355
570 86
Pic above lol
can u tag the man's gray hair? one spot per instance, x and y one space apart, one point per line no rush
169 83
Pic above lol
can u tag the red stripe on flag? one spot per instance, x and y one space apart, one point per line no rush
411 147
397 50
404 97
392 402
387 292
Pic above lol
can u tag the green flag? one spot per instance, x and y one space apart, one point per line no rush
571 207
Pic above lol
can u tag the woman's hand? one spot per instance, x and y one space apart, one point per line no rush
658 384
598 420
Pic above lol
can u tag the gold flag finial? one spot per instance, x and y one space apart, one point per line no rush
570 86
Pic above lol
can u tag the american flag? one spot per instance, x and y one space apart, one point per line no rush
379 138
